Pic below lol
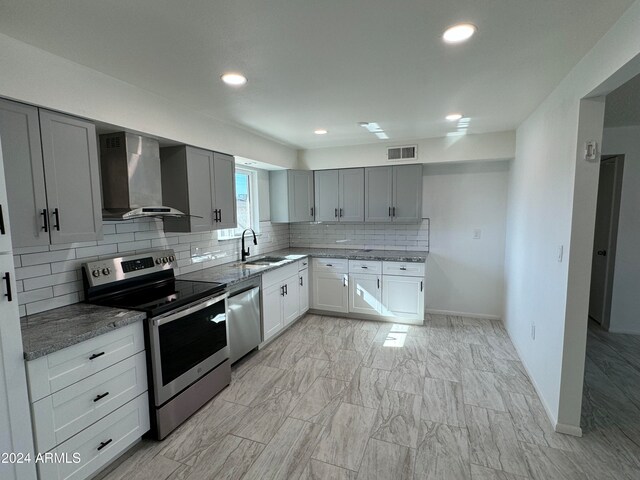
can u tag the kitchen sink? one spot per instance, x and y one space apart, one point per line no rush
264 261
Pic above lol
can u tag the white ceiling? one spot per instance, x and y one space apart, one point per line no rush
328 63
622 107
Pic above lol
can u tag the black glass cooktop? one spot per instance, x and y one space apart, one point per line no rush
163 297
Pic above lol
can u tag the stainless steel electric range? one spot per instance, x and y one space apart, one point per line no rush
186 330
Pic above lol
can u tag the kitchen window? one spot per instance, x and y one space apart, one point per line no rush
246 204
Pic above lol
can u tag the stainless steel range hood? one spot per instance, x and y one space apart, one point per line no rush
131 181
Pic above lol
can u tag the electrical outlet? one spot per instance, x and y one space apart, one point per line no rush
533 331
477 234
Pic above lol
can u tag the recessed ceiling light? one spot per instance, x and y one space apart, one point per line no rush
234 79
453 117
321 131
459 33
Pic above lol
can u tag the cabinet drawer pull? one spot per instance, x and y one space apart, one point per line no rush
96 355
56 213
45 220
329 265
104 444
2 229
101 396
403 268
364 266
7 278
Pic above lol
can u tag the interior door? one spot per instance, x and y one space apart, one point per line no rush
300 195
224 190
70 154
351 195
15 419
326 195
607 211
378 187
22 153
407 193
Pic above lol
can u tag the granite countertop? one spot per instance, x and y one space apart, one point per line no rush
53 330
231 273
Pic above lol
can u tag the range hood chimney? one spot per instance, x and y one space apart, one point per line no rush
131 178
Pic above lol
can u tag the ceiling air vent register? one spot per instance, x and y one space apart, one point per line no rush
402 153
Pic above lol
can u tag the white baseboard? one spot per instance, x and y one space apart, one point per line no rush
568 429
557 427
624 332
462 314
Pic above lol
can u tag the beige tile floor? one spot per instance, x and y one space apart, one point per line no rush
350 399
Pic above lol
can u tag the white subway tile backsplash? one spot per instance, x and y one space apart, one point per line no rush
57 281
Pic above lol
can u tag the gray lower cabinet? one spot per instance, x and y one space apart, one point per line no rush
53 184
339 195
291 196
393 194
201 184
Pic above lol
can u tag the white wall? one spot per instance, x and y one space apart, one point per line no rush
552 196
466 275
489 146
625 303
34 76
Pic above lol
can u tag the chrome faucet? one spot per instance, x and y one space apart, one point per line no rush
246 253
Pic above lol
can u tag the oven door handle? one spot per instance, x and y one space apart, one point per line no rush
170 317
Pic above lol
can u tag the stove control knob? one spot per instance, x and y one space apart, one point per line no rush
106 271
96 273
172 258
165 260
158 261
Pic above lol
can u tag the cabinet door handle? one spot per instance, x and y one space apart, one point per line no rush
344 281
301 282
335 213
286 289
96 355
394 211
378 283
100 397
282 290
341 213
45 220
104 444
7 278
421 285
220 214
312 211
2 229
56 213
389 211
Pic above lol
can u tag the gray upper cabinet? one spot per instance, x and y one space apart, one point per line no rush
351 201
327 195
291 196
70 155
224 191
53 183
24 170
407 193
378 182
189 184
393 194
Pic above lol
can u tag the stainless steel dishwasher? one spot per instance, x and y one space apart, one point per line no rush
245 331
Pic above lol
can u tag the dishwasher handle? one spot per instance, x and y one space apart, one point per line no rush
243 290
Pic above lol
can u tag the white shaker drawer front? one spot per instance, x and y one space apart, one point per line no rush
407 269
365 266
336 265
100 443
60 369
279 275
303 264
70 410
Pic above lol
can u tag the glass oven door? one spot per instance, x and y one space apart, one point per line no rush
187 344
